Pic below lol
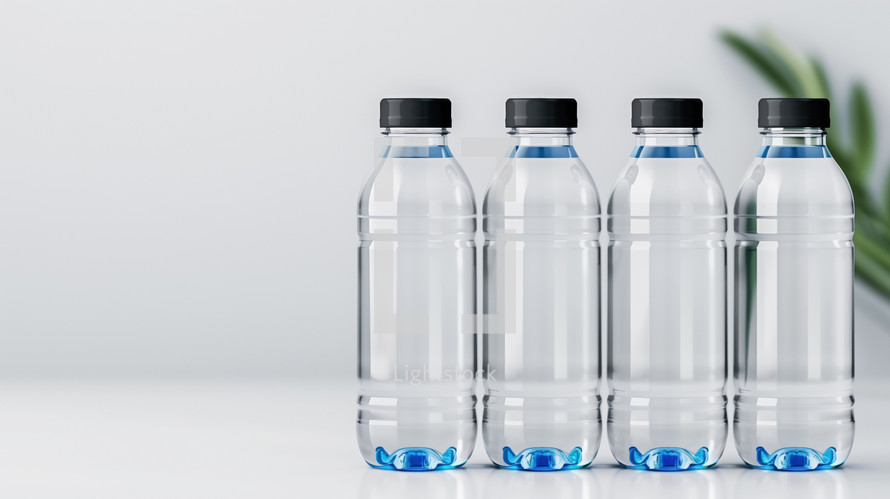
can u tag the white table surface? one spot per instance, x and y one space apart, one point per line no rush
296 439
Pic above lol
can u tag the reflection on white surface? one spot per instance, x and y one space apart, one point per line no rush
686 484
604 481
387 484
248 439
811 485
510 483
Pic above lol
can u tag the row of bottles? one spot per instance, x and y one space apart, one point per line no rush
666 282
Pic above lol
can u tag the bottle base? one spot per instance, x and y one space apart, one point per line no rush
668 459
797 459
415 459
542 459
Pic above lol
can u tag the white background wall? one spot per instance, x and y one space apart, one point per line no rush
178 178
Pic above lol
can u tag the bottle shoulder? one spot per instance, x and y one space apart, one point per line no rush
793 187
407 187
673 187
541 187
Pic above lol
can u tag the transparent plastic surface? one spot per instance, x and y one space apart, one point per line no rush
541 305
794 306
417 296
666 349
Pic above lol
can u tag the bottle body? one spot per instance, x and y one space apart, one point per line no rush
666 325
541 306
794 307
417 275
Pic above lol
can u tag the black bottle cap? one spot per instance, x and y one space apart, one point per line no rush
415 113
666 113
793 113
542 113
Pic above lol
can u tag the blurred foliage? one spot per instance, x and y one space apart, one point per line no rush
852 141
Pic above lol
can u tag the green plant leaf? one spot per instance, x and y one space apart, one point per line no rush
794 74
870 226
806 77
872 273
834 140
887 202
763 61
867 246
824 86
862 129
840 153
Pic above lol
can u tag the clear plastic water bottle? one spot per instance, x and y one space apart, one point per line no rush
417 296
541 300
667 296
794 296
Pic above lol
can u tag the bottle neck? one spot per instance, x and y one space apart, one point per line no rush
667 137
541 137
793 136
415 136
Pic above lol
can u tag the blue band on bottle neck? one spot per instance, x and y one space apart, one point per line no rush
783 151
546 152
542 152
416 152
666 152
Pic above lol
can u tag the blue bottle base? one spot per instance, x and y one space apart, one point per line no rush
415 459
797 459
543 459
668 459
